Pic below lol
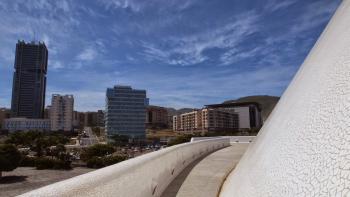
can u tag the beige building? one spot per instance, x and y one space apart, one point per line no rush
61 112
156 117
191 122
216 120
205 120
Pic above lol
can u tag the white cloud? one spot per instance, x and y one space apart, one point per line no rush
87 54
54 64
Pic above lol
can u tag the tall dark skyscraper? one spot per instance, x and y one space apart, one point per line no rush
29 80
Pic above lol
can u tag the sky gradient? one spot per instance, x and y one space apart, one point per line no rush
185 53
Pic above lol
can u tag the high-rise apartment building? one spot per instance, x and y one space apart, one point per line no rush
29 80
61 112
126 111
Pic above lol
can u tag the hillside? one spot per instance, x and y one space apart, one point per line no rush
173 112
267 103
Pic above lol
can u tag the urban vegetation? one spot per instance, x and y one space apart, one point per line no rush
101 155
10 158
180 139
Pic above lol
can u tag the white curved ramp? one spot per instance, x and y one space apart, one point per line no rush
304 147
144 176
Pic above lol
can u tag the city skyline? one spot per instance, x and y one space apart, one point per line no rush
245 49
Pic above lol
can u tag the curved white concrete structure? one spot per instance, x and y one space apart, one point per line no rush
233 139
144 176
304 147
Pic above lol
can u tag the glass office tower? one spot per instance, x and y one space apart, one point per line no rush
126 112
29 80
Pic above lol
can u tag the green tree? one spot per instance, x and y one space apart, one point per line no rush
120 140
180 139
99 162
57 151
36 141
10 158
97 131
97 150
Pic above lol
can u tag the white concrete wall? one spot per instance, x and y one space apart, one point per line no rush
304 147
144 176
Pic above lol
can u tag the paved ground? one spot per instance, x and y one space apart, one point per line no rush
24 179
204 177
91 140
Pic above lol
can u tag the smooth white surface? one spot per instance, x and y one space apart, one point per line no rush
233 139
143 176
304 147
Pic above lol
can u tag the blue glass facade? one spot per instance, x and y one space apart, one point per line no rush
126 111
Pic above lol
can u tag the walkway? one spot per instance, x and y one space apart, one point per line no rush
204 177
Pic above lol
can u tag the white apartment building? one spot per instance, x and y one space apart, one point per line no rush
61 112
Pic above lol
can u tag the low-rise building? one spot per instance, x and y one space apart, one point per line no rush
170 121
249 113
156 117
26 124
191 122
100 118
205 120
4 114
47 112
215 120
88 119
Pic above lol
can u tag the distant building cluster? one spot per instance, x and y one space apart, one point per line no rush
219 117
28 110
127 110
88 119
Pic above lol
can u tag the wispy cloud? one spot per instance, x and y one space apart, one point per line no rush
274 5
137 6
189 50
234 55
139 43
315 14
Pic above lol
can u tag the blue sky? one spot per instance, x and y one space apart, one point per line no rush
185 53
